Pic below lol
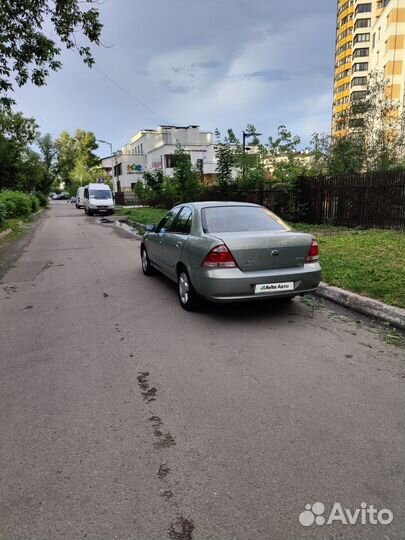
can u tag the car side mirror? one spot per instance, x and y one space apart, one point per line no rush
150 228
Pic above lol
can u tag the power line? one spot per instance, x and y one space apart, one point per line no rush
157 115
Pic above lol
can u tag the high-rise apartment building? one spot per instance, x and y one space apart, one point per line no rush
369 36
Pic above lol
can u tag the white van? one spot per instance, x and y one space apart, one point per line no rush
80 198
98 199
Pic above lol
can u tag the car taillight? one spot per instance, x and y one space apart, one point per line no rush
219 257
313 253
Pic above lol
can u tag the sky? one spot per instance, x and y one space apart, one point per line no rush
213 63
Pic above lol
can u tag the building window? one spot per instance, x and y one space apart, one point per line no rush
361 38
382 3
170 160
361 66
373 40
362 23
118 169
363 8
359 94
360 52
359 81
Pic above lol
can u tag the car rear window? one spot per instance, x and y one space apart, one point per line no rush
221 219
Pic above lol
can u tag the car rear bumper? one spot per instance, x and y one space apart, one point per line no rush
231 284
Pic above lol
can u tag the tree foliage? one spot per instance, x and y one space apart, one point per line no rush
76 160
286 162
185 176
154 180
48 152
17 128
20 166
28 53
225 157
376 122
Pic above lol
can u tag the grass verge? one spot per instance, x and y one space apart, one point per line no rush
143 215
14 224
368 262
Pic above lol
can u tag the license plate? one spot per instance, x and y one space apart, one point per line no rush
274 287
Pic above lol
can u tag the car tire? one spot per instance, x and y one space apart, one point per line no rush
147 268
188 297
90 213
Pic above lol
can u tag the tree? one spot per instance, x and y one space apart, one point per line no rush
76 159
27 53
154 180
375 129
225 157
20 167
17 128
86 145
285 160
335 155
66 157
184 175
376 120
48 151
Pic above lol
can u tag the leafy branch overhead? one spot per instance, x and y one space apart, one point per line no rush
27 53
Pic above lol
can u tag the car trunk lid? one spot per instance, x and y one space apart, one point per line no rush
255 251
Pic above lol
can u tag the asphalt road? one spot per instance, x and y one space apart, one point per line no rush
122 416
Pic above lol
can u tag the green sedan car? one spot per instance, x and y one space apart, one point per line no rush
230 251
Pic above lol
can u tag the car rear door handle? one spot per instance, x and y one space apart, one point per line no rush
179 244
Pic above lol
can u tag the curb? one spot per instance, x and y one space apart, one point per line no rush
5 233
363 304
131 227
140 226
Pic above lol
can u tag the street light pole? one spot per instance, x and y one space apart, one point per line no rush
246 136
112 159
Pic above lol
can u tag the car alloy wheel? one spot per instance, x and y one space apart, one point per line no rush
146 266
184 288
188 297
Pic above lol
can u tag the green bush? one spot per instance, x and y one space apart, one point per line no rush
18 204
43 199
35 204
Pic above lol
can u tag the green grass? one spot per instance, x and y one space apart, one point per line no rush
368 262
144 215
13 224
